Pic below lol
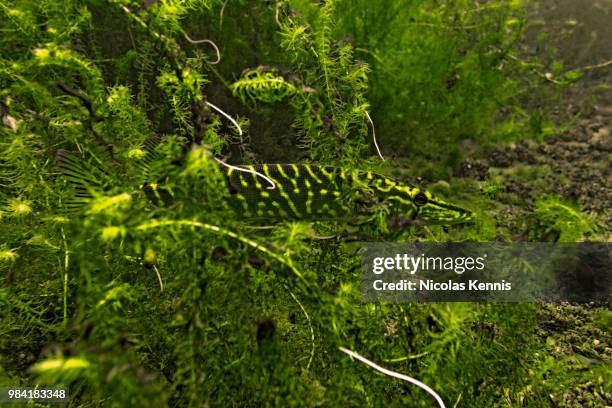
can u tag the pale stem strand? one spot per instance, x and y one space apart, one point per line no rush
206 41
245 170
159 278
228 117
312 335
272 183
374 136
394 374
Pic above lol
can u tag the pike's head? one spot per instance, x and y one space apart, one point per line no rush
435 211
421 204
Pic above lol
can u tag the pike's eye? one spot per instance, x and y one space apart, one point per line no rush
420 199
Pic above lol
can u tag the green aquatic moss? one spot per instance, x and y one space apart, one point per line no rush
561 220
124 274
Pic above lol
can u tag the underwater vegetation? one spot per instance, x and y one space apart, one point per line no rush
137 136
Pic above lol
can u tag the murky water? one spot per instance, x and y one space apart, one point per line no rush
579 34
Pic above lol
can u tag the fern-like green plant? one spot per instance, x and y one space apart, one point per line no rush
125 276
334 117
557 219
265 86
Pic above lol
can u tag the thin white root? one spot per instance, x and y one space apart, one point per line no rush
221 14
229 166
374 136
272 183
596 66
324 237
394 374
159 278
277 14
227 116
312 335
206 41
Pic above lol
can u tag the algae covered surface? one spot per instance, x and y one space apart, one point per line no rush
127 278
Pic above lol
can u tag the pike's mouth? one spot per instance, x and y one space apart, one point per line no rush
444 213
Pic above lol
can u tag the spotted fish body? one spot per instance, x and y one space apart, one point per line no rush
299 191
311 192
